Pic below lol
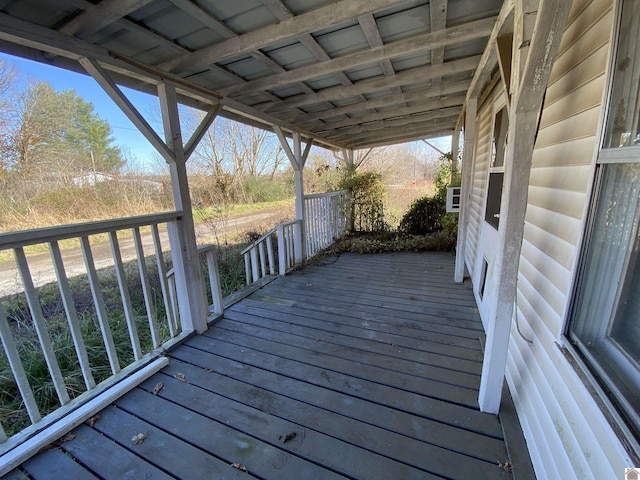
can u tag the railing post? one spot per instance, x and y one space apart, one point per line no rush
254 265
272 270
282 251
297 158
299 237
211 257
190 291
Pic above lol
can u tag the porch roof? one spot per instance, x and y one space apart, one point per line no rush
364 367
350 74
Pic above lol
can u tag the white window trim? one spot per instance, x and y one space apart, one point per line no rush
601 155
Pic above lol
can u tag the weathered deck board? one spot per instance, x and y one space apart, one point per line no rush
55 464
366 367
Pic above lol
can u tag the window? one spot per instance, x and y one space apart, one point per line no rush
605 320
496 171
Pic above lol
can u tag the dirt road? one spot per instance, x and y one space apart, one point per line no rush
229 229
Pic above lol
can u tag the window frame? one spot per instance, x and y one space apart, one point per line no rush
586 366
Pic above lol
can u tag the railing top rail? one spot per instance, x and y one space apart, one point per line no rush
270 232
49 234
207 247
326 194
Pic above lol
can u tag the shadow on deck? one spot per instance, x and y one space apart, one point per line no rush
367 367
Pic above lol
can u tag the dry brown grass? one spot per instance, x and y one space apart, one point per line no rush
400 197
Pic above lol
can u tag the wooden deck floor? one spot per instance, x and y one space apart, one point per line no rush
367 367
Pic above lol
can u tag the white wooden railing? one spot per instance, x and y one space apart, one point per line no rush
116 230
278 247
326 218
209 254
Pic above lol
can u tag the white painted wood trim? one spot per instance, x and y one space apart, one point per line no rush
124 295
211 257
30 447
190 286
17 368
72 316
98 300
108 85
526 105
206 122
49 234
146 288
164 286
40 325
465 198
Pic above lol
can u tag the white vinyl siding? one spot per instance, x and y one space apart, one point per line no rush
566 432
480 178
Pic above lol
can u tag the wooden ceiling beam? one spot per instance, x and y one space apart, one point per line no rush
422 94
399 135
447 115
372 34
212 22
317 19
438 15
383 129
281 12
411 137
26 35
100 15
408 77
413 45
434 105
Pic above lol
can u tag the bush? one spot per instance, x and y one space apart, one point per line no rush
367 200
269 189
424 216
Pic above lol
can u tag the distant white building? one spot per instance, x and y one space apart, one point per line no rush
90 179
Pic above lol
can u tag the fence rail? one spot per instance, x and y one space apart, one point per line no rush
280 249
146 329
326 216
275 248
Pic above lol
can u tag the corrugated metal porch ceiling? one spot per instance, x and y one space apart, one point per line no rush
353 73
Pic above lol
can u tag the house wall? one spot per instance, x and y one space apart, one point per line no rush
479 179
567 434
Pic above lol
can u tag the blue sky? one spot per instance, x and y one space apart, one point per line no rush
126 136
125 133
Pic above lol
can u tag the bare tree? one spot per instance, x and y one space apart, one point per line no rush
232 153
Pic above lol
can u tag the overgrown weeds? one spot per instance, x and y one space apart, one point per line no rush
13 414
386 242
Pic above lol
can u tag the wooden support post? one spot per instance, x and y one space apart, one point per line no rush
298 158
467 162
192 299
347 157
189 280
526 104
455 150
350 166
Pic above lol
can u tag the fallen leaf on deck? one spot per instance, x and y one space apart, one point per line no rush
290 437
157 388
92 421
138 439
239 466
67 438
181 377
